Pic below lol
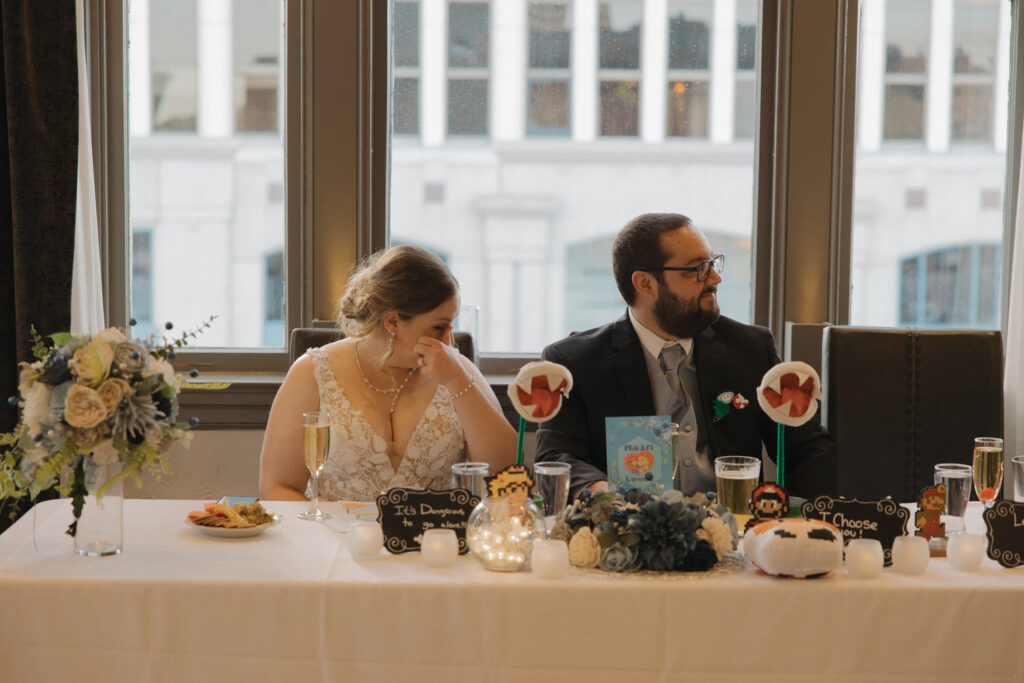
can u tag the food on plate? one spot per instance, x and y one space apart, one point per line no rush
238 516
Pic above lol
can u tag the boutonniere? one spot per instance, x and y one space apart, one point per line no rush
726 401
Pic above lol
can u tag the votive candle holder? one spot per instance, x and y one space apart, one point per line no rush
440 547
864 558
365 539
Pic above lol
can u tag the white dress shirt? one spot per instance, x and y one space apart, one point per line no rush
694 471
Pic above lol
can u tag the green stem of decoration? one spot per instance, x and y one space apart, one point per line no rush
522 435
780 455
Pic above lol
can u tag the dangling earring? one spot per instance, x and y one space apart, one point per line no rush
391 346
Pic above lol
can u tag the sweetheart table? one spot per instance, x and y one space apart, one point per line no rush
292 605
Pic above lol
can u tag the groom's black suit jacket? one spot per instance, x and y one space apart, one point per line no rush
610 379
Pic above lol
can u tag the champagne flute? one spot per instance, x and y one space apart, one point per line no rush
316 442
988 468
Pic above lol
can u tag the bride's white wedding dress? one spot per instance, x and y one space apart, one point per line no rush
358 466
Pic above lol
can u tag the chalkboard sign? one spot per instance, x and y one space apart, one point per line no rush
1004 526
881 519
404 514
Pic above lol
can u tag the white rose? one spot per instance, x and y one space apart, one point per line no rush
84 407
160 366
37 406
36 455
584 549
104 453
111 336
91 363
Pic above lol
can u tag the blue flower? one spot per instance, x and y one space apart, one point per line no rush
616 558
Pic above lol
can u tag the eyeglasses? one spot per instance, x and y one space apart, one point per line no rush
703 269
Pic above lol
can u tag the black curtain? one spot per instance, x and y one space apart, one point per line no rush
38 180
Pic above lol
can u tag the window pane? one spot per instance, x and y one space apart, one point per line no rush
549 36
207 211
527 224
688 35
972 112
173 65
467 107
927 219
990 262
273 298
904 112
405 106
746 109
256 66
746 34
906 36
620 34
142 283
688 109
467 34
549 107
909 291
406 25
975 29
620 108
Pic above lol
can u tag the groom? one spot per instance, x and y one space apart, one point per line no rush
674 354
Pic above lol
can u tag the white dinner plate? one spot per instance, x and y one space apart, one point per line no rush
228 532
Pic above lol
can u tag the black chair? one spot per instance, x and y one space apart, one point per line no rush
304 338
899 401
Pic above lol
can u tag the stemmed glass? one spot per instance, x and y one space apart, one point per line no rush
988 468
316 442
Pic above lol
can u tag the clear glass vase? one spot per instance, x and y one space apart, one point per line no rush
500 532
101 526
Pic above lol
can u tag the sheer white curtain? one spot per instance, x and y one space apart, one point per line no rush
87 278
1013 381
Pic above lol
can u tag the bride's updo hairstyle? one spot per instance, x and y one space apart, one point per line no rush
405 279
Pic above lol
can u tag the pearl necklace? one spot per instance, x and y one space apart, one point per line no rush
397 391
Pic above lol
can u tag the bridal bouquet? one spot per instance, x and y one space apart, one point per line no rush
105 398
632 530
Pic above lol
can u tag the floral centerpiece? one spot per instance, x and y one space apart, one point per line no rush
632 530
93 400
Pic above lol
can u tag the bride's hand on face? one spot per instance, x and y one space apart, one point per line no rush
439 360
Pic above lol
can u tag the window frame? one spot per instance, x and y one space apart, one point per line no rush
802 194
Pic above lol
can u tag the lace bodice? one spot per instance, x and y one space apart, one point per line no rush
358 467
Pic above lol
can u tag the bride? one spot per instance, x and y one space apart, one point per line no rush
404 403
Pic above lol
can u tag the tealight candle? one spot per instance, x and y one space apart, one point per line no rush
965 551
910 554
864 558
440 547
365 539
550 559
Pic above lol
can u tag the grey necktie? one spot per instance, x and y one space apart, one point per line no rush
671 360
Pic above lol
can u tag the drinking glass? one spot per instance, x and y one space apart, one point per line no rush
988 468
735 480
957 478
551 481
316 442
1018 477
471 476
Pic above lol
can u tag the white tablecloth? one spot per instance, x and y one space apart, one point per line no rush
293 605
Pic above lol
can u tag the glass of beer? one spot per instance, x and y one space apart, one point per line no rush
735 480
988 468
316 442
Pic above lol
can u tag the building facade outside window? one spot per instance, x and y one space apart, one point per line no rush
521 186
931 163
